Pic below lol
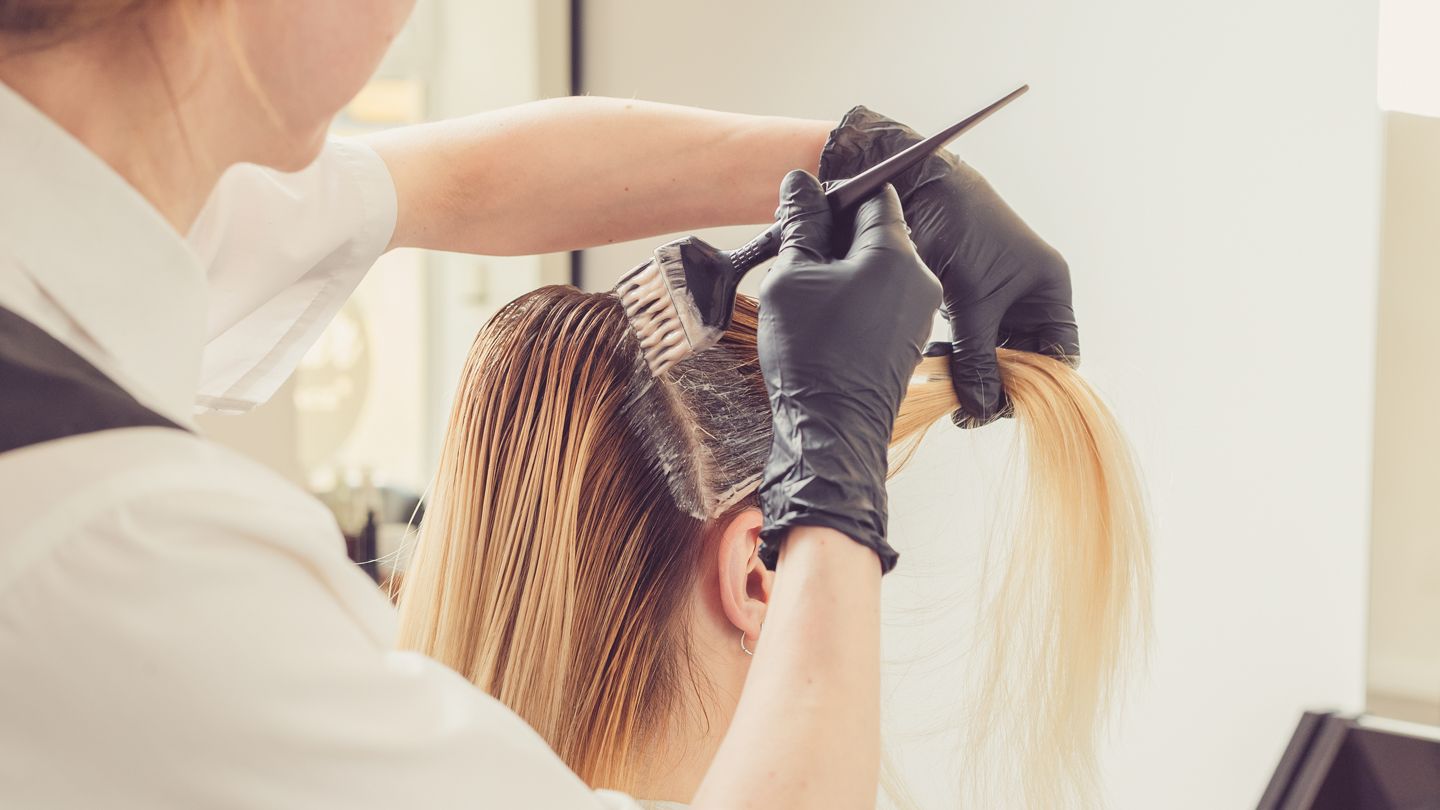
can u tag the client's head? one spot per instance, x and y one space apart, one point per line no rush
589 556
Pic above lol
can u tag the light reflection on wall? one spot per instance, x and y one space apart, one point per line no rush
331 387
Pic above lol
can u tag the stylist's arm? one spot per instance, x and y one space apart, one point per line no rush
839 338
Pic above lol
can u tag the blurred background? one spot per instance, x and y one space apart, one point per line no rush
1247 195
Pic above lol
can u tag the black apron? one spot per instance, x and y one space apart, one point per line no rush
49 392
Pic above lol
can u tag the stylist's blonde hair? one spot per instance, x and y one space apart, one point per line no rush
562 541
39 24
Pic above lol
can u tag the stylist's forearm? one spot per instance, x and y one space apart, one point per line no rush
576 172
807 730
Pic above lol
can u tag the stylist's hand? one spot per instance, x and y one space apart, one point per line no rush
839 338
1004 286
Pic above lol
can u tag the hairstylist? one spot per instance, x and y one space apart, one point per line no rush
179 627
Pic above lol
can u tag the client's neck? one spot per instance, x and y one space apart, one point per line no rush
678 761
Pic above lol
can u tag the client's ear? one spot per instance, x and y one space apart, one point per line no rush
744 580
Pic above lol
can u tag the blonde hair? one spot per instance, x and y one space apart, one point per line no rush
36 25
1066 609
555 558
576 493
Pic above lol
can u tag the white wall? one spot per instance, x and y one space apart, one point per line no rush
1211 170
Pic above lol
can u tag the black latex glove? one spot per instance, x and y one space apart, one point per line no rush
1004 286
839 339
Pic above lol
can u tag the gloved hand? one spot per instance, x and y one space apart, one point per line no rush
839 338
1004 286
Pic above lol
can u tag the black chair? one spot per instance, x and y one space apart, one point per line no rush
1356 763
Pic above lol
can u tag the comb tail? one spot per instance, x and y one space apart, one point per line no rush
851 192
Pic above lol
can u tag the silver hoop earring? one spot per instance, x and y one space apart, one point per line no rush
742 644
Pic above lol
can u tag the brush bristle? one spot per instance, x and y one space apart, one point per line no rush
646 296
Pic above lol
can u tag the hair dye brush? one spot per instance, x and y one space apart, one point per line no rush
680 301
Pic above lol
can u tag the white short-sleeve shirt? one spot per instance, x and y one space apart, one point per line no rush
282 253
180 627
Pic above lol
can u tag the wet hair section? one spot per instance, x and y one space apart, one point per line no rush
706 421
554 567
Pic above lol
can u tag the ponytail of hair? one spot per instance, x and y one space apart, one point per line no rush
1065 602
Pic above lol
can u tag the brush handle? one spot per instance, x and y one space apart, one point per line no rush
766 245
761 249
